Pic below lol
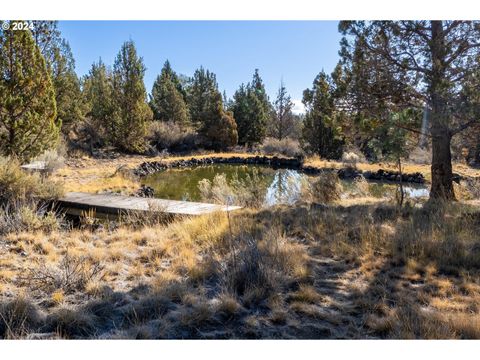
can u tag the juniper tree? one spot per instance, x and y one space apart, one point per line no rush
100 108
131 110
401 64
61 64
167 100
216 126
251 110
321 134
28 114
283 122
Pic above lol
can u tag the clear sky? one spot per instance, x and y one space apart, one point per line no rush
293 50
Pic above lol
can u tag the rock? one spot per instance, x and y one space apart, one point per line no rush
145 191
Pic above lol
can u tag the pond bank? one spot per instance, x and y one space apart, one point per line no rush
150 167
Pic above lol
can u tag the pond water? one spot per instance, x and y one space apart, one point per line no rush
281 186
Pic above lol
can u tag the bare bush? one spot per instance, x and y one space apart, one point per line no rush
287 147
70 275
361 186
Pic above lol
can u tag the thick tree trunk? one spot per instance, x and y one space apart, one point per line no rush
442 185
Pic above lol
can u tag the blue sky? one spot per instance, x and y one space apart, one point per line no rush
293 50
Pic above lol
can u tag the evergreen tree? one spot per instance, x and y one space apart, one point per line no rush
130 100
100 107
283 122
251 110
67 87
320 134
27 97
206 110
167 101
202 89
241 112
61 64
260 92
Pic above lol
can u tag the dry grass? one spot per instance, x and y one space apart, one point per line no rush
357 271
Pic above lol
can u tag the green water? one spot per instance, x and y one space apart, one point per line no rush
280 185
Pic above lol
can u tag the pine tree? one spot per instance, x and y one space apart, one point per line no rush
320 134
167 99
406 64
131 108
27 97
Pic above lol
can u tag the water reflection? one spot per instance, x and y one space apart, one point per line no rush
281 186
285 188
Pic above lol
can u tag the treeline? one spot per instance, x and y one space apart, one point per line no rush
42 100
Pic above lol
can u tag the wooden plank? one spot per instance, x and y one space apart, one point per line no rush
75 202
35 166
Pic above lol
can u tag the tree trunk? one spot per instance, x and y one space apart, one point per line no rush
442 186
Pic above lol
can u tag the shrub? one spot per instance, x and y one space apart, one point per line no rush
171 136
350 159
325 189
18 318
18 186
28 218
52 160
288 147
249 192
217 191
362 188
70 275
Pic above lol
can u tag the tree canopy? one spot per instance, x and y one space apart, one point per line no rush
393 65
28 115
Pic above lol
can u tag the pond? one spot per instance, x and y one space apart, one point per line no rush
281 186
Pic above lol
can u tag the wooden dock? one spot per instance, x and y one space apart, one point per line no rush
74 203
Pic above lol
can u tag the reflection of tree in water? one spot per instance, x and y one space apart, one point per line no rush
284 188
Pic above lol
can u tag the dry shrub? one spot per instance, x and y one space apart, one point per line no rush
18 186
18 318
217 191
28 218
324 189
259 268
170 136
52 161
155 215
70 275
350 159
247 192
287 147
70 323
362 187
